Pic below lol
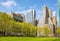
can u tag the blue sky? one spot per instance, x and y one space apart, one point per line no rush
22 6
59 11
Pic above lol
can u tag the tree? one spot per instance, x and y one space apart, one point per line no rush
58 31
39 31
10 27
47 31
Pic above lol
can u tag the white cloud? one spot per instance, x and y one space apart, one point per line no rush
22 12
8 3
33 7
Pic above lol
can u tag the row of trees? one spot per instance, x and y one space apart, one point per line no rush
45 31
8 27
58 31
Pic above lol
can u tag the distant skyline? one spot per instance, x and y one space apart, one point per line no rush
21 6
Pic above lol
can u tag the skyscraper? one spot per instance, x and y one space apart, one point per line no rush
31 16
54 23
59 12
50 13
45 14
44 19
48 19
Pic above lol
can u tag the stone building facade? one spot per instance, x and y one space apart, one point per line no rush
48 19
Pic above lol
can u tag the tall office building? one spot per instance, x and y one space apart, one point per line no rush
31 16
59 12
54 23
48 19
54 18
44 19
45 14
50 12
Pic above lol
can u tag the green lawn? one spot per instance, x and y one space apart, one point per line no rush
28 39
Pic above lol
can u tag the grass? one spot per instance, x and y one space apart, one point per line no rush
28 39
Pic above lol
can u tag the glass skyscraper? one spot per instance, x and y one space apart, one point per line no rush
30 16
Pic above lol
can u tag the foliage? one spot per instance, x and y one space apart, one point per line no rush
9 27
47 31
58 31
